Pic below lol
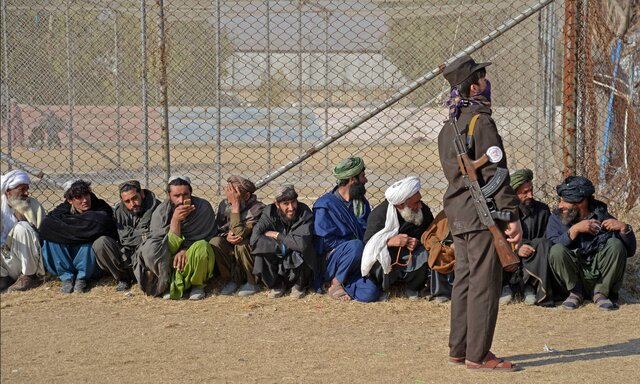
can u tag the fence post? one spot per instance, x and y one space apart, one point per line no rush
70 90
145 106
568 90
116 73
7 94
164 100
218 112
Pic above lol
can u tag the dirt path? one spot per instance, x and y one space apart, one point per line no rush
103 336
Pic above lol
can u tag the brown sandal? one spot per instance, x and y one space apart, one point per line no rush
456 360
337 292
494 364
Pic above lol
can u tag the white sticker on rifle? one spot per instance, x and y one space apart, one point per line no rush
495 154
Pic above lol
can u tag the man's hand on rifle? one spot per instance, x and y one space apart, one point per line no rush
514 234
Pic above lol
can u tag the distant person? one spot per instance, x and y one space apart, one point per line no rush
51 124
590 247
16 123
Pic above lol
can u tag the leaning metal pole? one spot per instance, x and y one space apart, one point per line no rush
406 91
163 93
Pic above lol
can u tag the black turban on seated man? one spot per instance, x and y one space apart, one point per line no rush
575 188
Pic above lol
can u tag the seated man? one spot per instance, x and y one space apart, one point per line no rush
237 215
590 247
533 275
392 249
74 233
282 244
21 263
133 217
340 221
177 256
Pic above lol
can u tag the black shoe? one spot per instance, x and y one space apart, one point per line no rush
123 286
67 286
5 282
80 286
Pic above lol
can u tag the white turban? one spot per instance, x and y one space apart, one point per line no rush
376 247
67 185
8 181
176 177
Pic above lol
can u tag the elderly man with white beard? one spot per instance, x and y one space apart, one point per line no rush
393 252
21 261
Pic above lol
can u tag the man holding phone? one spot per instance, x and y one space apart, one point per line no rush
177 256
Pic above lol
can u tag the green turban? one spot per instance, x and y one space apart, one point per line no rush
348 167
520 177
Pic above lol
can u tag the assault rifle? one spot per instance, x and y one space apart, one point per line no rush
468 168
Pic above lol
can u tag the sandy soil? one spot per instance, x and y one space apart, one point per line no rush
104 336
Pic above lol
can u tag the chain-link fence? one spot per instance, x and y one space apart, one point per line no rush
279 91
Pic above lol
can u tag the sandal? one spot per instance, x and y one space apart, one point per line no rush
337 292
572 302
603 302
456 360
493 364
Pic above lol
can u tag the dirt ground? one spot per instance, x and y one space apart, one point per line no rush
104 336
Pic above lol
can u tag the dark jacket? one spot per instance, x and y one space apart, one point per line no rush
587 243
62 226
458 204
534 220
297 236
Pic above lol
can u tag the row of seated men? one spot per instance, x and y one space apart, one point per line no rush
175 247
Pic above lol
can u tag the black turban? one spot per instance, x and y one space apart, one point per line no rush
575 188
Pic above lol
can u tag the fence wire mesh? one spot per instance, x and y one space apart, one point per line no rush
113 90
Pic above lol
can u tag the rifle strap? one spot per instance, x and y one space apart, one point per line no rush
472 126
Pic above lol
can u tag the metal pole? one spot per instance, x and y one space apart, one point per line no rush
70 93
300 119
406 90
6 77
218 112
327 94
268 70
568 90
145 104
117 85
164 100
606 156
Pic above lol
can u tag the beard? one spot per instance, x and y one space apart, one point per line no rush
286 220
411 216
568 216
357 191
137 211
528 203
